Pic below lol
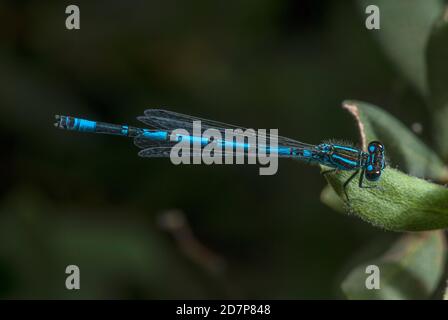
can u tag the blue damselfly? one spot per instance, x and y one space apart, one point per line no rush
158 140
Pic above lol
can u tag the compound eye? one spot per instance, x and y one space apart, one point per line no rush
372 175
375 146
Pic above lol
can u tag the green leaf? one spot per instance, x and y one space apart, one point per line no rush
400 202
405 26
437 62
331 199
410 269
402 146
445 295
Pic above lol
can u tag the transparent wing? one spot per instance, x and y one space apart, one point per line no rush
169 120
162 149
155 152
164 152
144 143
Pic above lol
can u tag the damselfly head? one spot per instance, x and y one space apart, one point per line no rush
375 161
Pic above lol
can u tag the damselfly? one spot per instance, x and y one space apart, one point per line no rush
160 139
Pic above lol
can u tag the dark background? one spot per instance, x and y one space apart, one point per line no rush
89 200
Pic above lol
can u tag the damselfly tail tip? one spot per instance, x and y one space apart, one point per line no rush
58 123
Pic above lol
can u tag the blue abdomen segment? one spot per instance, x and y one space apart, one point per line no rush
83 125
225 144
75 124
155 135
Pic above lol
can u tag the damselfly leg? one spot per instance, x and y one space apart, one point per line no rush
324 173
344 186
361 180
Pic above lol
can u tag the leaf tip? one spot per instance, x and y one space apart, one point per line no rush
352 108
445 14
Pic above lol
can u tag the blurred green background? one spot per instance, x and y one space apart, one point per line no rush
140 228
